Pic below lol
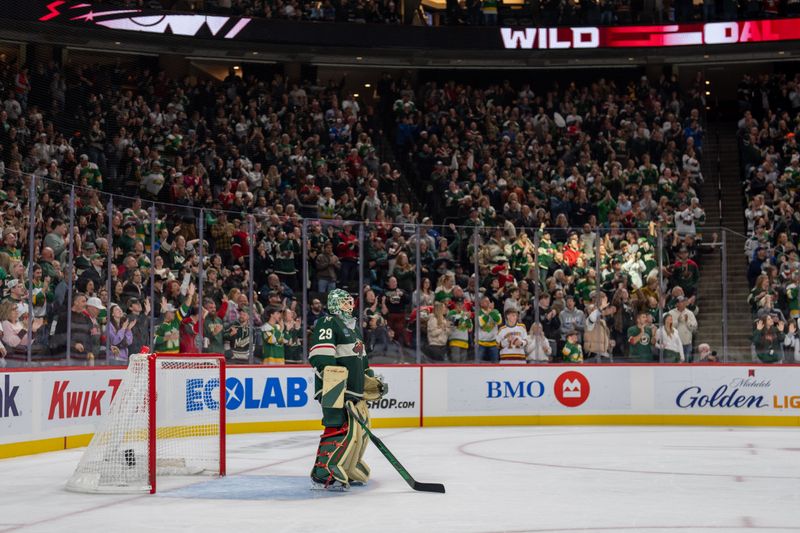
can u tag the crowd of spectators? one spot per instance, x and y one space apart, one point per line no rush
491 12
770 159
571 193
258 154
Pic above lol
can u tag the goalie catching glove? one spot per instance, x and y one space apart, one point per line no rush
374 386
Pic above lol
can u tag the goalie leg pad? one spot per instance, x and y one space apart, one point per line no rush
356 469
336 446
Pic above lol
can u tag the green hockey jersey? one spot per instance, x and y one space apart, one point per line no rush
334 343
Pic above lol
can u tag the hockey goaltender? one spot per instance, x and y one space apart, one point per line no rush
343 385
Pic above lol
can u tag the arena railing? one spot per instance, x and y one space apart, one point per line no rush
237 274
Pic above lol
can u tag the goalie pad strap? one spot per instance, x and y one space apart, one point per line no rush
341 451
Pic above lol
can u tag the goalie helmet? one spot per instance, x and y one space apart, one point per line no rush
340 303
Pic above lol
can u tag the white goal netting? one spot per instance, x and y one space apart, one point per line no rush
182 435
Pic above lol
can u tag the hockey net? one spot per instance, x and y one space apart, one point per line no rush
164 420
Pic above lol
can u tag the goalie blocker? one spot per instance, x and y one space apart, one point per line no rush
343 380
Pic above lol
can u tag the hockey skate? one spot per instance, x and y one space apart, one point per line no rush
332 486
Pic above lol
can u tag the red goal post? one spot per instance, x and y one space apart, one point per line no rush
153 403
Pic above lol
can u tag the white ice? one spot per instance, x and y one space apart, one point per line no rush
537 479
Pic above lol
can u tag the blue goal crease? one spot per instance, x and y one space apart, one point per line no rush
243 487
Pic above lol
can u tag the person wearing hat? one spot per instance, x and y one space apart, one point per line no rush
15 290
238 337
168 333
501 272
512 338
572 352
95 273
128 239
547 251
191 340
706 355
84 260
97 313
81 325
685 273
213 328
88 173
139 321
272 334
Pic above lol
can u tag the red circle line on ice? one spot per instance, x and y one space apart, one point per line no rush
572 388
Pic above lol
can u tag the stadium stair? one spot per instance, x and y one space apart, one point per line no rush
723 182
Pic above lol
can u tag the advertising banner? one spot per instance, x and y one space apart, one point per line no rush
738 390
76 399
515 390
66 403
696 34
47 406
16 407
60 15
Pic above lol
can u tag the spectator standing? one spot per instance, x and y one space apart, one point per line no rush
597 336
686 324
238 338
293 334
489 321
512 339
272 331
768 338
139 322
669 343
438 333
328 266
396 301
460 332
538 348
571 318
572 351
641 338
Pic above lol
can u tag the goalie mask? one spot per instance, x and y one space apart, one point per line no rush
340 304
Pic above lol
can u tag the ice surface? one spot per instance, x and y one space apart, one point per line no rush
537 479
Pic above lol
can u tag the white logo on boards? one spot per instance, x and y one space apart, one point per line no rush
571 388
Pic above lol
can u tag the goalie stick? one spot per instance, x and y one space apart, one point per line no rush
414 484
